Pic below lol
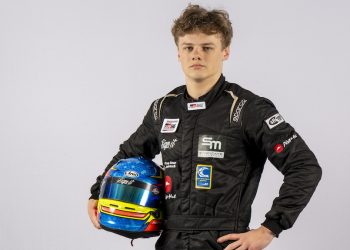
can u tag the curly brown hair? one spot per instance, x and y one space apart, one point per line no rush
198 19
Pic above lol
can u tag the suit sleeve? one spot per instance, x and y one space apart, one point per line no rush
143 142
266 130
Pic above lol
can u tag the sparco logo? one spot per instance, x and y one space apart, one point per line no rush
211 146
131 173
208 141
238 110
155 109
168 144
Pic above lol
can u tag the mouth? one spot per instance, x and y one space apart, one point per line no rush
197 66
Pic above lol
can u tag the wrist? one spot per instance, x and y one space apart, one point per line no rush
273 226
267 231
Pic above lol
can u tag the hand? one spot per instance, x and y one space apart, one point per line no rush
256 239
92 211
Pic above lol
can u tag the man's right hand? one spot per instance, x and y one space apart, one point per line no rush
92 211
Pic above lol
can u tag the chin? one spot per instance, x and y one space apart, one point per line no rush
197 77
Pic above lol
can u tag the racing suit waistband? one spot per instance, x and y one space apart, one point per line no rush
188 222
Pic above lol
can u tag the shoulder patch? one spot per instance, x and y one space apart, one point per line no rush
274 121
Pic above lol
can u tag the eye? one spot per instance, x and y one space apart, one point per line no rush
207 48
188 48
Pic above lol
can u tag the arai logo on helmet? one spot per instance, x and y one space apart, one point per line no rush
131 173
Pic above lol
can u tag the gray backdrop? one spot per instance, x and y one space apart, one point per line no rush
77 77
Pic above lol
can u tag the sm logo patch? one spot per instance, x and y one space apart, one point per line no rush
203 176
211 146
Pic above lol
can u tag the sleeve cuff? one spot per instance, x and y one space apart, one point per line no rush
94 197
273 225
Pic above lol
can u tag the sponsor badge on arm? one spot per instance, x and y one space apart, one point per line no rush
274 121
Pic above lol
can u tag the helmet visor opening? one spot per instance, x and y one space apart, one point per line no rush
131 191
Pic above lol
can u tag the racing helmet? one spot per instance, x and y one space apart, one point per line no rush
131 198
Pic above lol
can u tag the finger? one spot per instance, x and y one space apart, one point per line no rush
242 247
233 245
95 220
228 237
92 211
97 224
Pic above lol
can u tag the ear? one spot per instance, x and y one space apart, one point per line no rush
226 53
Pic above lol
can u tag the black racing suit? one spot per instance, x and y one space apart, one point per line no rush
214 150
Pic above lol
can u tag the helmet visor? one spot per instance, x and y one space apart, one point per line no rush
132 191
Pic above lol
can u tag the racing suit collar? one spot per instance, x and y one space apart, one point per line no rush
209 97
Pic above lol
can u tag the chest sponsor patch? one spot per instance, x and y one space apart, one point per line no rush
211 146
169 164
203 176
170 125
168 144
274 121
196 105
168 184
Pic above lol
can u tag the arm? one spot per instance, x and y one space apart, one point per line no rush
143 142
288 152
271 136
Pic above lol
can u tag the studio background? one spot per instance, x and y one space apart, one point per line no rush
77 77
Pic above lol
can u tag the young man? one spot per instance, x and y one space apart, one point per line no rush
215 137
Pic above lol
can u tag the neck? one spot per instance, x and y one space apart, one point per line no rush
197 88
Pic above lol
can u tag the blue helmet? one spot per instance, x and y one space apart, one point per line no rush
131 198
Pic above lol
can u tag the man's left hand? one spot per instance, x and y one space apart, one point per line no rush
255 239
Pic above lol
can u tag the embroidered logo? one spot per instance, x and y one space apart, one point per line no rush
196 105
168 144
169 125
289 140
203 176
155 109
210 146
237 114
169 164
274 121
168 184
279 147
170 196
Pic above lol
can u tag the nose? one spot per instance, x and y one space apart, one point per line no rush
196 55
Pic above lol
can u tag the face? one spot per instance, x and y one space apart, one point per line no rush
201 56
